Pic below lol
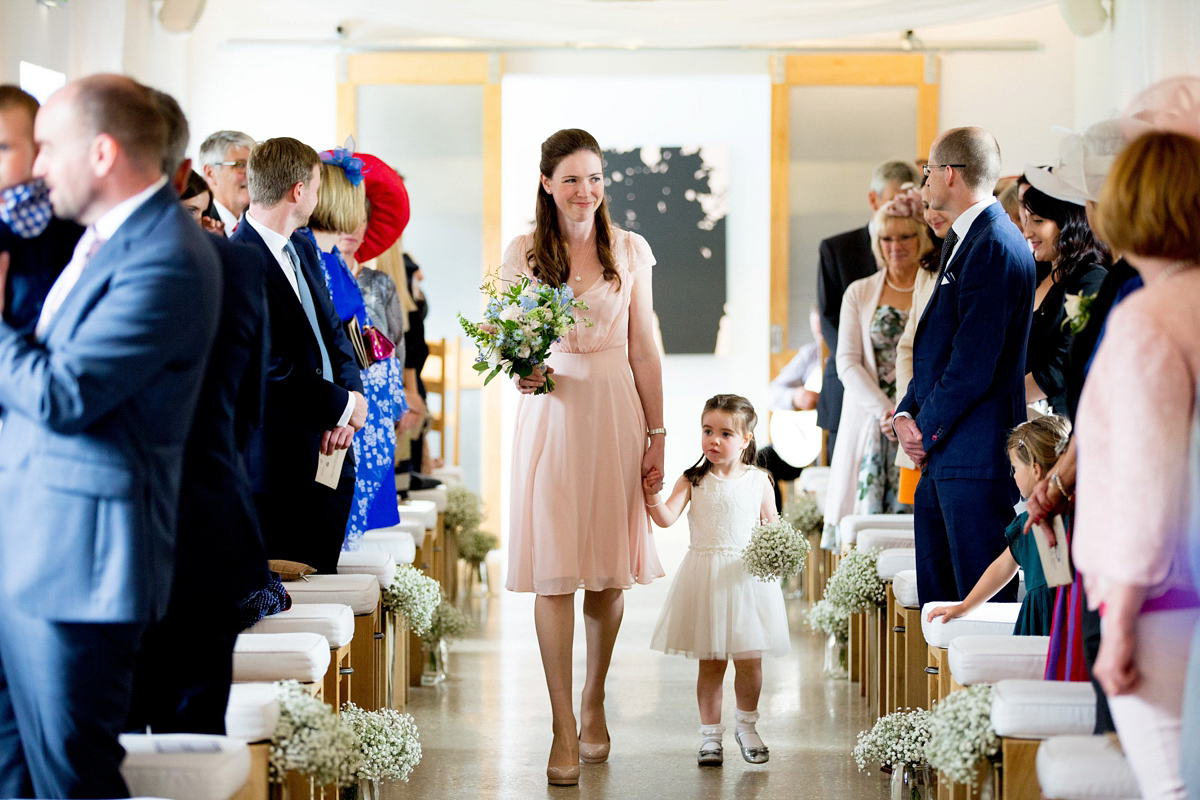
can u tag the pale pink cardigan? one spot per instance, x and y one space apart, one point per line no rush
1133 429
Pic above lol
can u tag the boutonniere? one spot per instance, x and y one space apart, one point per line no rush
1078 308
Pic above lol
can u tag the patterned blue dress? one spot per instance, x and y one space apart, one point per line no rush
374 503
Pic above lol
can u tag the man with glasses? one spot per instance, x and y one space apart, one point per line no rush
968 385
223 157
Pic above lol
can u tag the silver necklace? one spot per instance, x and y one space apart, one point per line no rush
896 288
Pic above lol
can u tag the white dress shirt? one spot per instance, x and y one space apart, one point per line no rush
276 242
229 219
103 229
794 375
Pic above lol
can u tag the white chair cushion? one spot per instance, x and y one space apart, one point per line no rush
451 476
437 495
422 511
184 766
987 659
379 563
813 479
990 619
884 539
1037 709
253 711
904 587
333 621
360 592
896 559
851 524
267 657
397 543
1084 768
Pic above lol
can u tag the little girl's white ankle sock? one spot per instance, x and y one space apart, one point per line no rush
747 735
712 733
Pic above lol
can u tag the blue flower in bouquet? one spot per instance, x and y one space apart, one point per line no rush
521 322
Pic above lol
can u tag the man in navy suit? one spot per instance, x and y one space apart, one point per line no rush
968 386
314 400
97 403
185 667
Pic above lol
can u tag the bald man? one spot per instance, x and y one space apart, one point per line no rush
98 402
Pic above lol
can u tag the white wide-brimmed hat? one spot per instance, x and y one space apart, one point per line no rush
1083 164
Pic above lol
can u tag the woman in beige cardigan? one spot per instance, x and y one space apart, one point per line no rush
863 476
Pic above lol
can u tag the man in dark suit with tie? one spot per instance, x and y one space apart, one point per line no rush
845 258
314 401
98 402
968 386
185 666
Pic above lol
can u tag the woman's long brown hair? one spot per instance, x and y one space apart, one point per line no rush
548 258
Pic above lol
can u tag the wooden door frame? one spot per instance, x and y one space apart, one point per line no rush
920 71
471 68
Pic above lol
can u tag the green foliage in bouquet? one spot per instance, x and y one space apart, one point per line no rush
447 623
474 545
464 510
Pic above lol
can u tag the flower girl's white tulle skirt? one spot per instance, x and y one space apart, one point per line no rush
716 611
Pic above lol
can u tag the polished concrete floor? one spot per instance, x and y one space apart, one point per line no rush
485 732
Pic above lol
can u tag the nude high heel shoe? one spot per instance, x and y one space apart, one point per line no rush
595 753
563 776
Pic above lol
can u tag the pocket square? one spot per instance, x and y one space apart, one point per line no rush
945 280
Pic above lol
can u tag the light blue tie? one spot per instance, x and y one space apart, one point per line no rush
310 309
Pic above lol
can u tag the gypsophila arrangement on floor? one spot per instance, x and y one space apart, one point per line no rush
390 747
855 585
896 739
775 552
805 515
824 617
520 323
464 511
415 595
312 740
475 545
961 736
447 623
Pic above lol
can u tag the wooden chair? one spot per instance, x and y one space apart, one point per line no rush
441 377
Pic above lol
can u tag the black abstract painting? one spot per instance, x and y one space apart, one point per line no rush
676 197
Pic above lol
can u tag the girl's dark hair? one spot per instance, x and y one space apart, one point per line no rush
1077 244
548 257
195 186
741 410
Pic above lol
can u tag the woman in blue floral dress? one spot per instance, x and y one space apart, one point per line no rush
336 225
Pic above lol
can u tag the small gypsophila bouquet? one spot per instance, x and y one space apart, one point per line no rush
474 545
521 322
896 739
824 617
390 747
312 740
775 552
415 595
464 510
448 623
961 735
855 586
805 514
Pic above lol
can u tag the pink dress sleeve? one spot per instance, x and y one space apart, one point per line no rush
515 264
641 258
1132 430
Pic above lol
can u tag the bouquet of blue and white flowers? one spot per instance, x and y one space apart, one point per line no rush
521 322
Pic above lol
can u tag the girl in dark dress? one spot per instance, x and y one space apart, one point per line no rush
1072 265
1033 448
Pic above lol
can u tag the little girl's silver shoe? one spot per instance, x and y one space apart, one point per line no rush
711 755
754 755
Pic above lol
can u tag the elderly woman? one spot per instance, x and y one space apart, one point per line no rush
863 477
1132 438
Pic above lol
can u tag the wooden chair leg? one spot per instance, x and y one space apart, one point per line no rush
916 658
1018 777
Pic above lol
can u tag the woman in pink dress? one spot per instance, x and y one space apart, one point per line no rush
578 519
1132 438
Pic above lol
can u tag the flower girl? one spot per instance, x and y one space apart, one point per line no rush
715 611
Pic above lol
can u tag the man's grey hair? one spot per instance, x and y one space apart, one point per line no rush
897 172
974 148
212 149
177 132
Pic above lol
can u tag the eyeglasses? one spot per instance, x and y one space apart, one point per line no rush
242 164
929 167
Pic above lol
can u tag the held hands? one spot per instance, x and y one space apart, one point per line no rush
1044 502
535 381
336 439
652 463
911 440
885 425
947 613
358 417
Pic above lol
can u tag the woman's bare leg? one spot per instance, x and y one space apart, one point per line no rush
602 613
554 618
